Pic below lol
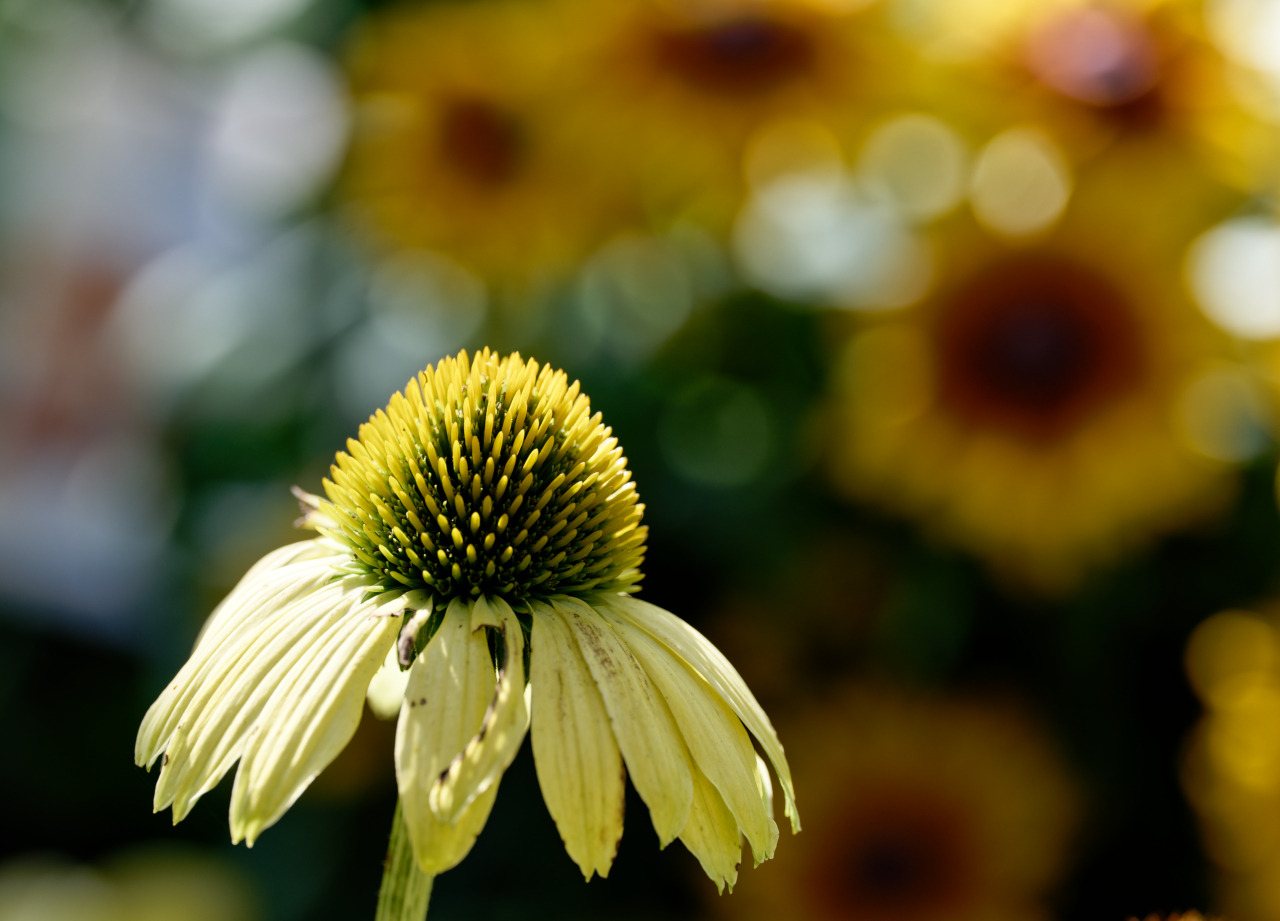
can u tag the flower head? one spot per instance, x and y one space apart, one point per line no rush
1038 407
682 88
488 477
934 809
1103 77
464 144
479 548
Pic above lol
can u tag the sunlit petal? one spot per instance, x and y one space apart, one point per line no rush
579 765
311 716
450 687
506 720
719 745
711 664
274 581
647 735
712 833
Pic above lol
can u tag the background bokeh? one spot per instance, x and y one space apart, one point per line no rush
943 337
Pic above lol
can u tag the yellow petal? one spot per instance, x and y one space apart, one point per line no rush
712 834
495 745
711 664
578 762
250 667
642 724
450 686
386 690
258 576
274 582
261 584
717 742
766 785
440 846
312 715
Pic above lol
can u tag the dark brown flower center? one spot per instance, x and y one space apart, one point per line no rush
903 855
1034 346
740 57
480 141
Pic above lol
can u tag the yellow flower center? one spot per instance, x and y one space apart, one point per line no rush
489 476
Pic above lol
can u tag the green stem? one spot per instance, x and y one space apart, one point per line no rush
405 888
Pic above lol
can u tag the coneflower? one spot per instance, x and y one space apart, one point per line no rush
482 533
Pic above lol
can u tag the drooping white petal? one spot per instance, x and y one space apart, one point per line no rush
440 846
646 733
711 664
711 834
719 745
578 762
279 579
226 705
491 750
766 785
386 690
313 714
244 599
451 685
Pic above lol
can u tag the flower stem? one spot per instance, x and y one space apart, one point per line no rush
405 888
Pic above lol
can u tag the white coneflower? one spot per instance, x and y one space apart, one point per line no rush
483 534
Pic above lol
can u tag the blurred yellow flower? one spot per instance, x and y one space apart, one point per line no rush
463 142
1146 74
932 811
1231 771
482 528
679 88
1053 403
1135 72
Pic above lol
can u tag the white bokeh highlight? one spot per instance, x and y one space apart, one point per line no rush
1234 272
279 129
1247 31
1020 184
818 235
916 162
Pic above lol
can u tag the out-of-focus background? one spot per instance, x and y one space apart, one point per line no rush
943 337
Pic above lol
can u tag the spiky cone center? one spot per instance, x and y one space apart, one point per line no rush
488 476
